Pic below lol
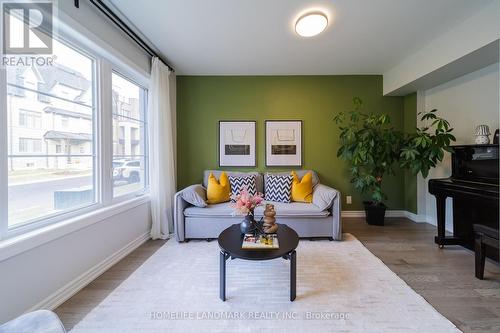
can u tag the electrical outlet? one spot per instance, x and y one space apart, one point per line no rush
348 200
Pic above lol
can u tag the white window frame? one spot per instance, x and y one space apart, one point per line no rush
105 63
37 223
4 190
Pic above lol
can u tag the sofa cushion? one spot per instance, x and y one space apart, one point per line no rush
278 188
218 190
323 196
293 209
302 189
196 195
300 174
299 209
240 183
259 182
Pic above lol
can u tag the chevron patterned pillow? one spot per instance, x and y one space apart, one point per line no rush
238 183
278 188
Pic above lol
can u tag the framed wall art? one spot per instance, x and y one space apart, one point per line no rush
283 142
237 143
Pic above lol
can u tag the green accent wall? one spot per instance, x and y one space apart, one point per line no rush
409 126
204 100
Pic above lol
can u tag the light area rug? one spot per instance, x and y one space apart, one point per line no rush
341 287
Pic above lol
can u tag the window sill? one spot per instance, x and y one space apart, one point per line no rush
13 246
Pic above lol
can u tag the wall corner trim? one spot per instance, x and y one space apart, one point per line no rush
70 289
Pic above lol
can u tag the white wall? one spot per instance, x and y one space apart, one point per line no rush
465 102
93 21
35 277
468 36
43 275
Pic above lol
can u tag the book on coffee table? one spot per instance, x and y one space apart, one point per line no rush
260 242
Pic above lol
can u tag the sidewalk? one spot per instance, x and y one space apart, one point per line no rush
39 176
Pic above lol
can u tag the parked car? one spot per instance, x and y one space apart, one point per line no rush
128 170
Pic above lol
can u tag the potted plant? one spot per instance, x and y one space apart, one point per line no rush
372 147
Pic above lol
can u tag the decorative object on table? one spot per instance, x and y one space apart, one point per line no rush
260 242
237 143
218 190
283 143
269 225
248 224
244 204
278 188
495 136
372 147
482 135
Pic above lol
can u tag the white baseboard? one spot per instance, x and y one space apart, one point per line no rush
388 213
353 213
74 286
416 217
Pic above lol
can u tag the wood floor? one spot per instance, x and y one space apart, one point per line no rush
444 277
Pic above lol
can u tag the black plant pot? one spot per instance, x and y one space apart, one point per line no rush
375 213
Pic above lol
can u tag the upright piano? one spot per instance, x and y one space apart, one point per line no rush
474 186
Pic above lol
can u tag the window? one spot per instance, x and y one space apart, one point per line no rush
30 119
40 183
23 145
23 119
129 151
134 134
55 129
42 97
27 145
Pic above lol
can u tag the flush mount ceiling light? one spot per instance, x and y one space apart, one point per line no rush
311 24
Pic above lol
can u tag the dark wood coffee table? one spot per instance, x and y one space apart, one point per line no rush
230 247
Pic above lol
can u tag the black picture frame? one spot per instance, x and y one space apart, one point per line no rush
219 152
300 144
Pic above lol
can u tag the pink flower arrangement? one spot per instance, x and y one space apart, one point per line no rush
245 203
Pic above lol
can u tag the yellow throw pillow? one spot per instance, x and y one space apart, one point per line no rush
218 190
302 189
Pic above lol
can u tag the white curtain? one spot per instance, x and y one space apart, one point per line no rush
161 149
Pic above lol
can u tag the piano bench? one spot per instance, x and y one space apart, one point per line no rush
483 236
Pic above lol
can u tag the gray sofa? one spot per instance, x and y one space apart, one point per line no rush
194 219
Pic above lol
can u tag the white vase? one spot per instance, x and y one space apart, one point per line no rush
482 135
482 139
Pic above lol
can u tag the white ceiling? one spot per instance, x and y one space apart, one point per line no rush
256 37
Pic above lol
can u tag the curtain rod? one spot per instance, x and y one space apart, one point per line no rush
103 8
